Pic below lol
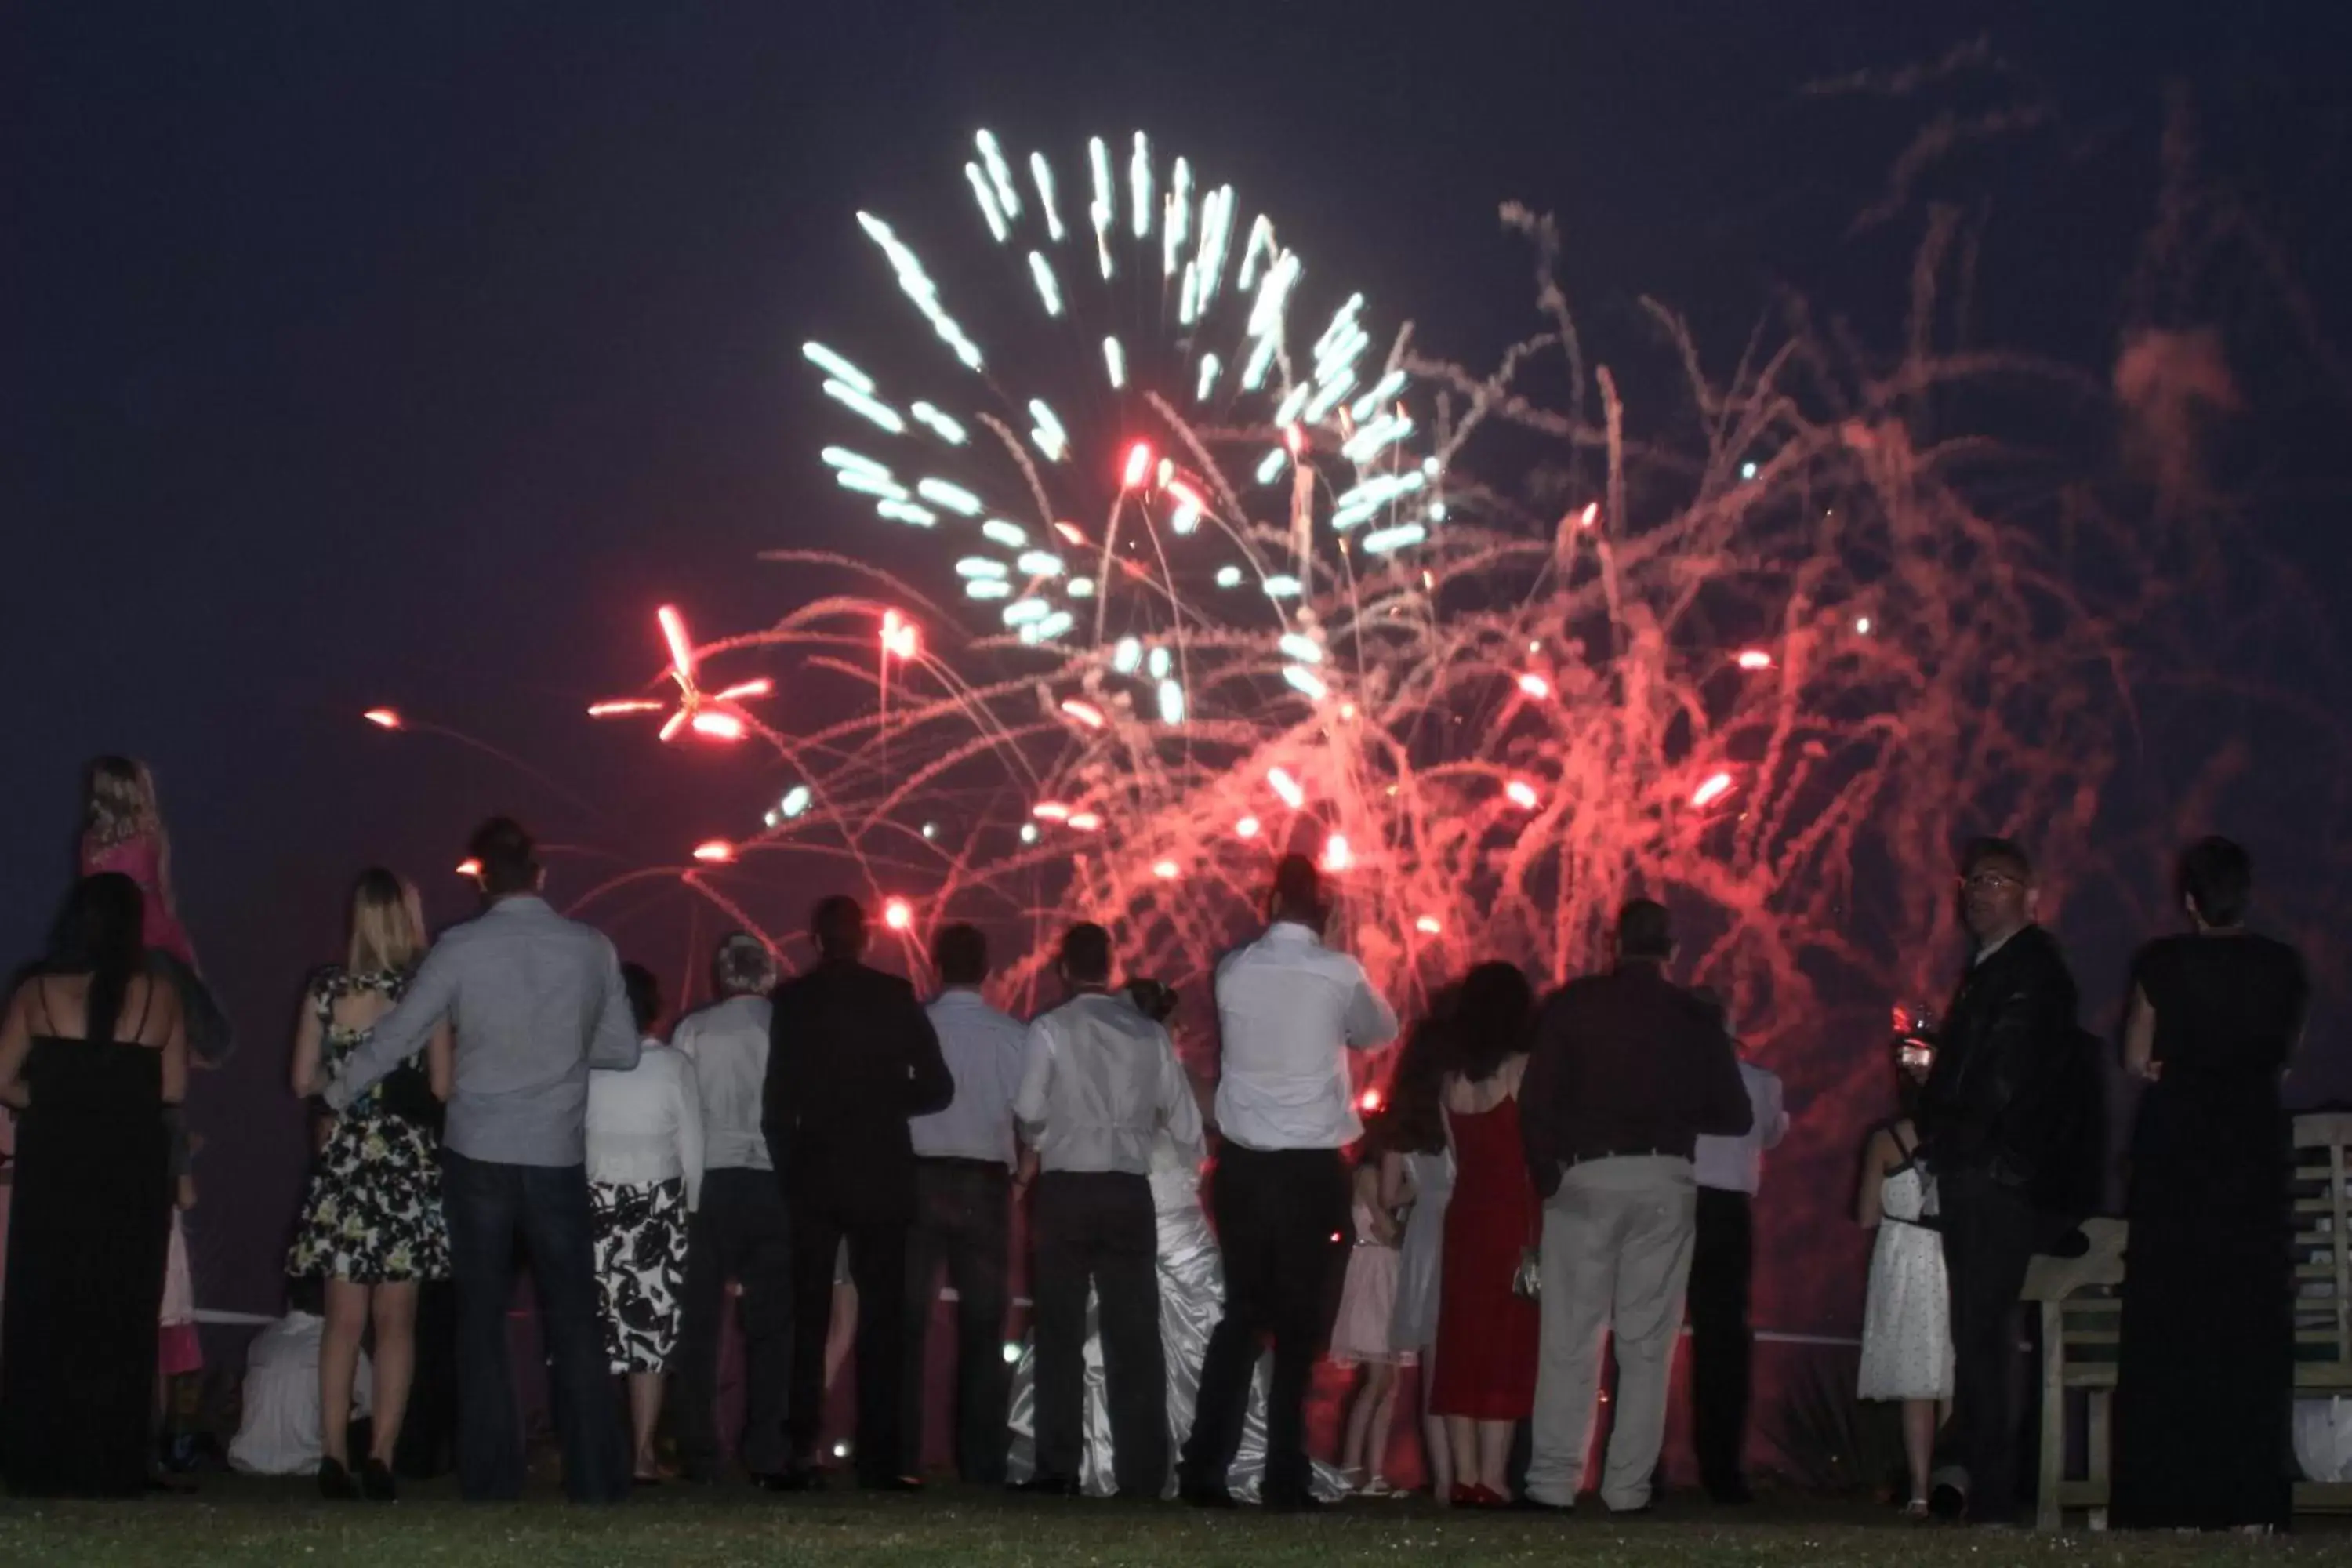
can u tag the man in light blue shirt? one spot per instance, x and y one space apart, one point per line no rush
964 1157
536 1001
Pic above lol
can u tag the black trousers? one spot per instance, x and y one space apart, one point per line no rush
1992 1232
877 1267
1282 1223
490 1205
1723 1260
741 1232
429 1438
963 1219
1097 1229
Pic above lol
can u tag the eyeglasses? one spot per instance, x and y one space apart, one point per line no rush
1991 882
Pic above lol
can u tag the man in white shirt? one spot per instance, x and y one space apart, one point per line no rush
964 1158
1723 1255
741 1231
1099 1082
1290 1010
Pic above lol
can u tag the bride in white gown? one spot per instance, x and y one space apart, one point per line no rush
1191 1298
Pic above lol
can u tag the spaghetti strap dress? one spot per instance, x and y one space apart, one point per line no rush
1486 1335
88 1229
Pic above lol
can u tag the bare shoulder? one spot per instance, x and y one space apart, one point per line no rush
157 1002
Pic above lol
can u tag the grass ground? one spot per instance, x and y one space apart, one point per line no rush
280 1526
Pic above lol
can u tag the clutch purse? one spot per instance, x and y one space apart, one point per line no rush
1526 1279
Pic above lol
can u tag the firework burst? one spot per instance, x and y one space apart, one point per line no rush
1209 589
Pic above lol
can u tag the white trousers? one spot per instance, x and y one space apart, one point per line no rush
1617 1240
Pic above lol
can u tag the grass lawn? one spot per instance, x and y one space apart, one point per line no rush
280 1526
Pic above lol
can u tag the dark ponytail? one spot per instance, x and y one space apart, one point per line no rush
98 934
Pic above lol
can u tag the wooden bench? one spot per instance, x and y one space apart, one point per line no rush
2082 1312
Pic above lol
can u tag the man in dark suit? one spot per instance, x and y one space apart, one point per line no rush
851 1056
2005 1124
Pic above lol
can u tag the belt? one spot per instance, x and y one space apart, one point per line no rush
1575 1159
962 1161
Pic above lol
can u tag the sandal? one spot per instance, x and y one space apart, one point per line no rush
1379 1487
1916 1509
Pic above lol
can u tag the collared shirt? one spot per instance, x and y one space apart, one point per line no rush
535 1001
1988 949
985 1050
645 1125
1290 1010
1627 1063
728 1044
1100 1081
1737 1165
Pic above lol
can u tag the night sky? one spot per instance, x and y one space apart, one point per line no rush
412 352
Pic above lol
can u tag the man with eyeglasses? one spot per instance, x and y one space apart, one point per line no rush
2001 1123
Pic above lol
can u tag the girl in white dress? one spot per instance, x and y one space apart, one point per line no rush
1417 1181
1907 1325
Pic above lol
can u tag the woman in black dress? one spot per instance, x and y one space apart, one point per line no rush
93 1050
2205 1376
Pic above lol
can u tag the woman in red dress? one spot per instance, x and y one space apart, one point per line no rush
1486 1335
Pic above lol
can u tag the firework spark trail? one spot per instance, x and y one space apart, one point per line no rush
1509 727
1768 657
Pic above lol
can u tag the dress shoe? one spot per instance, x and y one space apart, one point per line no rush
376 1482
1202 1495
889 1483
798 1479
335 1483
1731 1494
1947 1502
1293 1502
1523 1503
1048 1486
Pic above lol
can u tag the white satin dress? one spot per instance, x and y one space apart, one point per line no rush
1192 1299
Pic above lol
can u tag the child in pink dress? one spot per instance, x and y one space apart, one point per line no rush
1361 1334
122 830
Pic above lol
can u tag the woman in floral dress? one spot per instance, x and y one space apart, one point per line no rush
372 1224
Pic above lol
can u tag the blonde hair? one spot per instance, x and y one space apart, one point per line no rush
387 924
119 801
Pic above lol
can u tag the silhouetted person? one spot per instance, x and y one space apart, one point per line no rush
741 1231
1289 1010
1100 1081
965 1159
536 1001
93 1049
1629 1070
2205 1372
852 1056
1999 1124
1723 1266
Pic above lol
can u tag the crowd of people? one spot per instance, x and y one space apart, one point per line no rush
1541 1182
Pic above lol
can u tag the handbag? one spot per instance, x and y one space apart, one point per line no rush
1526 1279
